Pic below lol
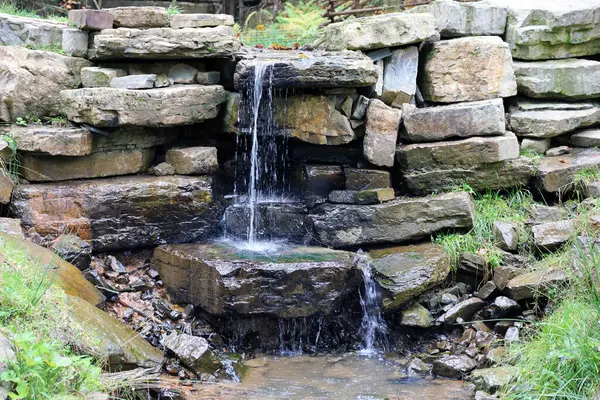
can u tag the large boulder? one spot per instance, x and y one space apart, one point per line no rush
468 69
23 31
544 119
170 106
341 225
406 272
432 124
296 69
121 213
456 19
193 351
163 43
30 80
551 29
386 30
557 174
224 280
381 133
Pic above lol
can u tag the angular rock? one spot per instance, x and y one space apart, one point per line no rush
182 73
381 133
471 151
506 235
463 311
536 145
551 235
541 213
557 174
193 160
391 222
171 106
208 78
558 151
454 366
473 264
361 105
91 20
55 141
133 82
75 42
376 32
30 80
41 168
587 138
492 379
486 291
365 179
323 179
139 17
370 196
24 31
74 250
570 79
550 30
11 226
132 137
297 69
406 272
416 316
532 284
6 187
200 20
539 119
154 210
505 174
455 19
193 351
503 274
400 76
468 69
163 43
92 77
432 124
222 280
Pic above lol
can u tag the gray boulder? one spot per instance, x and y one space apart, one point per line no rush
200 20
75 42
463 311
369 196
381 133
552 235
506 235
50 140
91 20
133 82
12 226
23 31
492 379
557 174
139 17
400 76
536 145
193 160
587 138
193 351
454 366
182 73
416 316
99 77
322 179
365 179
534 283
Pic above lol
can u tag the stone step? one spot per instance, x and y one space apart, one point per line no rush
201 20
160 107
341 225
587 138
222 280
123 212
139 17
556 174
163 43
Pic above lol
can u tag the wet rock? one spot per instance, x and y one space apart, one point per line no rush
500 308
419 366
552 235
536 145
74 250
323 179
182 73
170 106
91 20
506 235
139 17
473 264
381 133
405 272
11 226
400 76
558 151
556 174
416 316
55 141
115 265
543 119
432 124
7 356
454 366
193 160
163 43
386 30
534 283
463 310
130 138
487 290
570 79
152 209
370 196
456 19
492 379
75 42
587 138
92 77
366 179
24 31
200 20
298 69
468 69
503 274
133 82
449 298
222 280
43 168
30 80
163 169
391 222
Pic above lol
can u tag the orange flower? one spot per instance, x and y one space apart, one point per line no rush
260 27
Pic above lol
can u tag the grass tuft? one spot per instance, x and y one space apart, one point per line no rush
7 7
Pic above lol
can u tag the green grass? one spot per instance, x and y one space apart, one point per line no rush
489 207
10 166
6 7
47 47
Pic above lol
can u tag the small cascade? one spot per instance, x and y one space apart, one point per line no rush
373 326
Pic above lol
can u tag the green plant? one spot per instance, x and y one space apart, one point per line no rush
54 48
174 9
11 165
585 176
534 156
8 7
59 120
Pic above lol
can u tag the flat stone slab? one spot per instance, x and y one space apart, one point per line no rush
50 140
364 179
570 79
556 174
456 19
551 235
223 280
468 69
200 20
99 77
386 30
170 106
174 209
340 225
552 29
133 82
534 283
91 20
23 31
432 124
370 196
163 43
543 119
139 17
587 138
307 69
405 272
193 160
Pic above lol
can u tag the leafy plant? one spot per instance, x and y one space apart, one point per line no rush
174 9
11 165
